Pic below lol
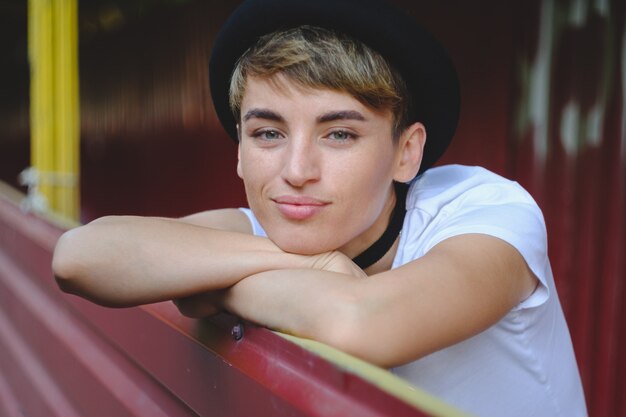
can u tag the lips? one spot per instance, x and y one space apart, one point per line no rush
299 207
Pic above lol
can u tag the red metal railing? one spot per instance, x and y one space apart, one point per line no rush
63 356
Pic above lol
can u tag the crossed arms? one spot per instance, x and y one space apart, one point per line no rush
210 261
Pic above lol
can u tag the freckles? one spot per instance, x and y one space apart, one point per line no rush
254 167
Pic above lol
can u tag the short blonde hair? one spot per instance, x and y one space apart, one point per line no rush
319 58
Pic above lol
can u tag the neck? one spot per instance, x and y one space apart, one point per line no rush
386 242
384 263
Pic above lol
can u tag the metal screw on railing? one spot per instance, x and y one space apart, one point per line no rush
237 331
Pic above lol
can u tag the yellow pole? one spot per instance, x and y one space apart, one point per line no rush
67 125
41 92
53 54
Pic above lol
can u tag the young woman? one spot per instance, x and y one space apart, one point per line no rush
445 281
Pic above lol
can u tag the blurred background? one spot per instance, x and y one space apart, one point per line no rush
543 87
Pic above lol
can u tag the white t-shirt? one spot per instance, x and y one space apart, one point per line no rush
523 365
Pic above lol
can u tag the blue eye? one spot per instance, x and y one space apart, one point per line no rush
267 134
341 135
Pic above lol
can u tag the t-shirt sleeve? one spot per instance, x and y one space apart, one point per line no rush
507 212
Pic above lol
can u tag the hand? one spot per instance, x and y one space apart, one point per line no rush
200 305
335 261
211 303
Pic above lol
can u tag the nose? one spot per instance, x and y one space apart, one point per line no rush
301 162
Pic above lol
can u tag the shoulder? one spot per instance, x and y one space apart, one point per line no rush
452 186
456 200
230 219
451 200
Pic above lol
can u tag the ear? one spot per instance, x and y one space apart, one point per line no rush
239 170
410 151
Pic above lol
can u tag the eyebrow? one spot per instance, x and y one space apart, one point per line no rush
328 117
340 115
262 114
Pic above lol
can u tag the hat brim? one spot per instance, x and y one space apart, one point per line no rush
421 60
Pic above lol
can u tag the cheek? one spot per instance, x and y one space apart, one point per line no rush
252 181
369 175
250 167
256 173
365 190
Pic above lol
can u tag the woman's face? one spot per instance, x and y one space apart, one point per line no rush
317 166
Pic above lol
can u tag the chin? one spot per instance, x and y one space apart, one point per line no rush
302 246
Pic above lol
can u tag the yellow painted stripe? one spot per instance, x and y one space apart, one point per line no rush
55 120
40 45
383 379
67 127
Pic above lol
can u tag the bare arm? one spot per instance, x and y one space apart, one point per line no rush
126 260
462 286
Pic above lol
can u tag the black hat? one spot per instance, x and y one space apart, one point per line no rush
423 63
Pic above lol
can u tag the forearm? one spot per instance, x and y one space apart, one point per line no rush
316 304
123 261
339 310
460 288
